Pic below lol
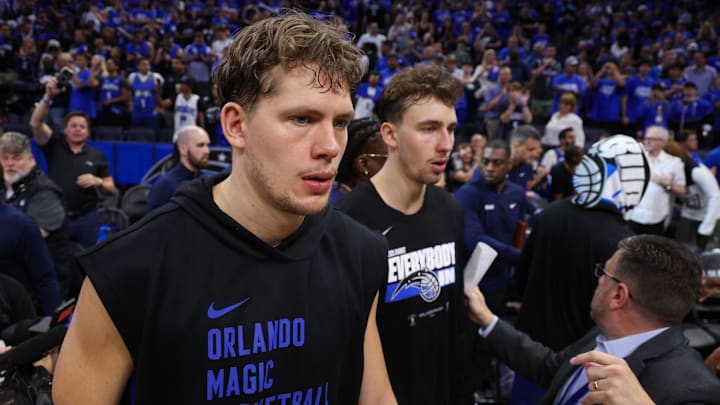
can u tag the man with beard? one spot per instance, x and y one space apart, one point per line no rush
420 310
637 354
28 189
193 145
246 288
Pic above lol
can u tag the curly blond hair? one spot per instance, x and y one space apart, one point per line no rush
290 40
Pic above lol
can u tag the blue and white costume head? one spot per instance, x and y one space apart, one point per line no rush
614 170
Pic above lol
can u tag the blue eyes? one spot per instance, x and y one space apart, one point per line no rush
303 120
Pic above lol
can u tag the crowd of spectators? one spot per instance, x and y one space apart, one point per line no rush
129 58
542 79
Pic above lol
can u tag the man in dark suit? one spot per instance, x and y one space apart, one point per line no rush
637 353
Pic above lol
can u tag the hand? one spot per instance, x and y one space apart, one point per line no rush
51 88
660 179
541 172
625 120
478 311
610 380
524 97
710 287
106 103
713 361
88 180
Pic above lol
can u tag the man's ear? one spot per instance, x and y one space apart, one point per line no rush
389 134
621 296
233 119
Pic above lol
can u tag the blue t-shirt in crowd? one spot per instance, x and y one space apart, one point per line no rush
363 88
132 48
606 106
712 97
567 84
505 53
83 99
691 112
654 113
712 160
638 90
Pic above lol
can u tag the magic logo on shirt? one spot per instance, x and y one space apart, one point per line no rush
422 272
246 356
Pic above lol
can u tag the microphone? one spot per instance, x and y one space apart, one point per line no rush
33 349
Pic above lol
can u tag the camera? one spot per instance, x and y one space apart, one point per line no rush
66 74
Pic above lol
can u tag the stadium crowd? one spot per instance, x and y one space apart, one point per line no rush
542 81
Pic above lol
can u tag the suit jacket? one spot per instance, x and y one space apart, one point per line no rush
670 371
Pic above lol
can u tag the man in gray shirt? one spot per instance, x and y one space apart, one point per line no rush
27 188
700 73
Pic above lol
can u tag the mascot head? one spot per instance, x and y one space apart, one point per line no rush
614 170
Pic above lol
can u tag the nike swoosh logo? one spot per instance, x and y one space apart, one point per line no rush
385 232
217 313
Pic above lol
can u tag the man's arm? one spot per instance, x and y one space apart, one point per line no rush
40 130
94 363
709 186
40 269
375 389
105 185
534 361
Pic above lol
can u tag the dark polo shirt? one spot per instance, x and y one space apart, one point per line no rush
64 167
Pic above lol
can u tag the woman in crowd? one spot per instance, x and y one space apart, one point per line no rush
701 203
487 72
565 117
364 156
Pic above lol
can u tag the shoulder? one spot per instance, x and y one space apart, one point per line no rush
345 228
94 153
514 189
17 219
440 198
360 197
48 195
144 238
695 383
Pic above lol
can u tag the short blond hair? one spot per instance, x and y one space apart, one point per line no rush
569 98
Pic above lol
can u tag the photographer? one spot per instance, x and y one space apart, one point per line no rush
80 170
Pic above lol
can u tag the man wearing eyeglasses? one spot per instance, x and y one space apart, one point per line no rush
637 353
666 182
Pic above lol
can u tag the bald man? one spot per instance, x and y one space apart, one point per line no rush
193 146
